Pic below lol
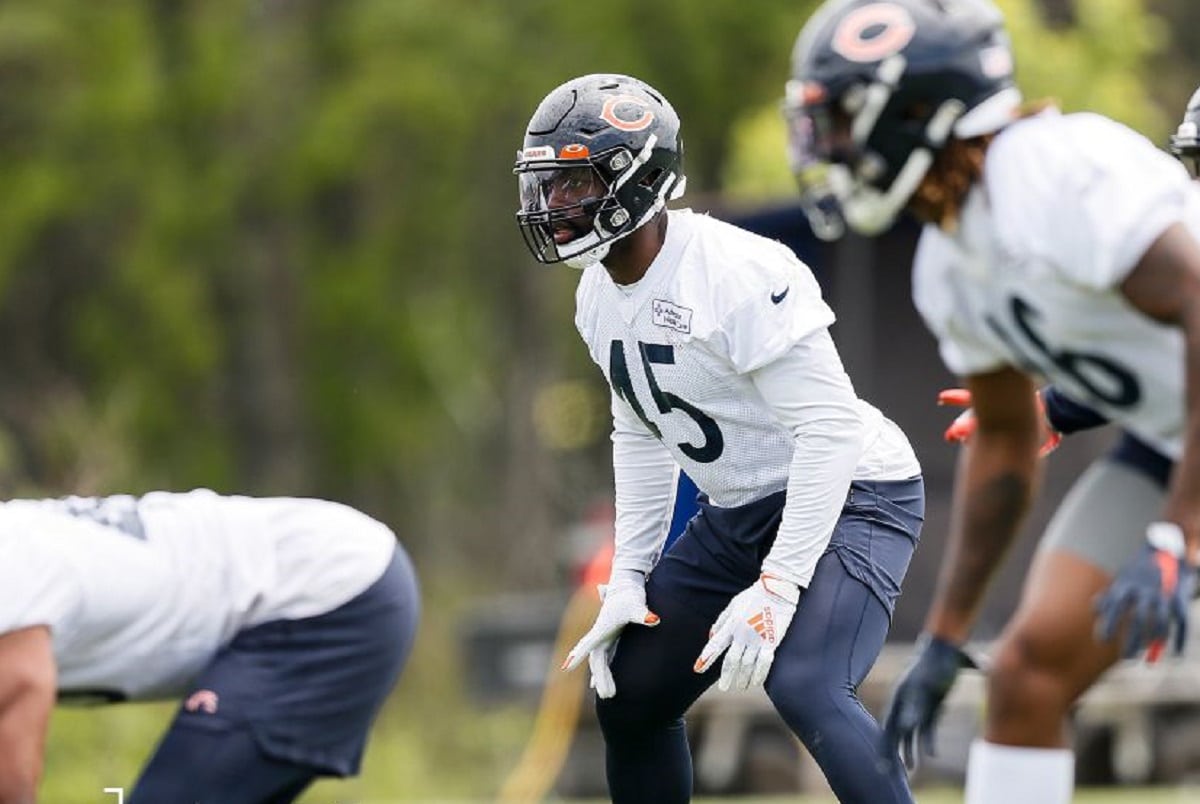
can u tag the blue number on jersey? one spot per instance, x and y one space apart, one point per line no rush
1103 379
663 355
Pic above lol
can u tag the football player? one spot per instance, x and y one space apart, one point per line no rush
281 623
716 347
1101 493
1059 247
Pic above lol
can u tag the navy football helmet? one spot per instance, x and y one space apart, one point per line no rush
877 88
602 154
1185 142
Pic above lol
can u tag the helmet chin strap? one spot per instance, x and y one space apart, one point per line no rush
589 258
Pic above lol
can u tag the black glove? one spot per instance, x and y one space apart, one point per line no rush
917 700
1150 595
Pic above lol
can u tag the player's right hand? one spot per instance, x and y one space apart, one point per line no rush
963 426
916 703
624 602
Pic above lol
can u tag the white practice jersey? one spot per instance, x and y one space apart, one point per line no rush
1068 206
140 593
681 349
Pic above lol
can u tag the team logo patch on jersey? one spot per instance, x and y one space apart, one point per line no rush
672 316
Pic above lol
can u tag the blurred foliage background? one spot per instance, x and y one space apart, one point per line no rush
267 246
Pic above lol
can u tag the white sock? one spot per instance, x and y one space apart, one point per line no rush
1004 774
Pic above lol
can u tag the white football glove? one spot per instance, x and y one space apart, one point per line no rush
624 602
751 627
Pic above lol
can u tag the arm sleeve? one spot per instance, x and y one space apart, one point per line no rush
39 587
812 397
1067 416
644 476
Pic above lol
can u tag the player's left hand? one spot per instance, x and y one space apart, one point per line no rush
1150 596
916 703
749 630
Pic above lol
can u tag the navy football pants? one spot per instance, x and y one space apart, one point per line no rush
295 700
837 633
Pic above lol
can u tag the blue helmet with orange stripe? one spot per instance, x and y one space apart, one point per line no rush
602 155
877 88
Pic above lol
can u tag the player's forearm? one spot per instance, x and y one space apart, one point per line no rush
24 717
1165 285
28 681
1183 500
823 464
644 477
993 491
18 791
812 398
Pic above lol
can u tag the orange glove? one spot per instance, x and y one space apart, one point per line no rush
964 425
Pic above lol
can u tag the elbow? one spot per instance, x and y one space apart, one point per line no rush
843 431
856 431
851 428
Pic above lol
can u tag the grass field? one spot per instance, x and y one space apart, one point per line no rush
431 745
951 796
426 762
434 763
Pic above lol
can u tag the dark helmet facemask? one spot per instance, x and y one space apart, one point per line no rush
570 200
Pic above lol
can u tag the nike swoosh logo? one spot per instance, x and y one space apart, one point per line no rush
776 298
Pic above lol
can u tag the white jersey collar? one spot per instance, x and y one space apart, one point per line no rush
679 232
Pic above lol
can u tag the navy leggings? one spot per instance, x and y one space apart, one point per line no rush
835 637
